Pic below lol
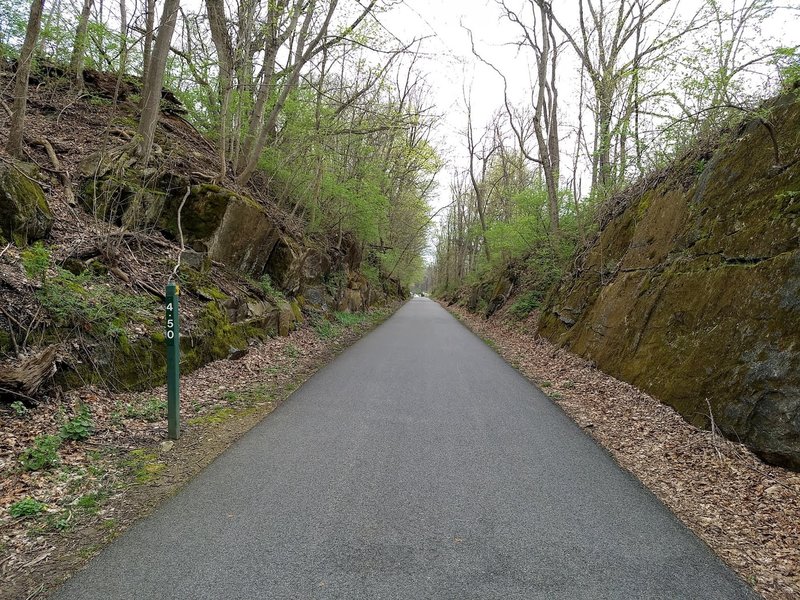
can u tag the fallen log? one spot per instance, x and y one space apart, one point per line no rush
22 378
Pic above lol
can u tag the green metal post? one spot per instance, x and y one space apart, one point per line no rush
173 337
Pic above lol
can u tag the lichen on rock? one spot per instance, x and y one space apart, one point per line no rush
690 290
25 215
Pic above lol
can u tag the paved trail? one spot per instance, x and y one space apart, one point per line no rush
417 465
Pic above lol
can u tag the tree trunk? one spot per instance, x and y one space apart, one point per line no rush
14 145
79 48
151 92
123 32
149 26
215 9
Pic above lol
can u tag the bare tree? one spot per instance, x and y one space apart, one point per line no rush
602 44
79 47
538 37
149 32
14 145
478 179
151 91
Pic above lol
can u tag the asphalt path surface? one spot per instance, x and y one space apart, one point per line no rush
416 465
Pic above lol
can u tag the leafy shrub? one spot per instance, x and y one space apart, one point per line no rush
525 304
19 408
43 454
372 275
79 427
29 507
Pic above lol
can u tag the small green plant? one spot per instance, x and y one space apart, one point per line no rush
325 329
525 304
232 397
291 350
90 503
153 409
36 261
29 507
80 426
265 283
19 408
60 522
43 454
82 299
349 319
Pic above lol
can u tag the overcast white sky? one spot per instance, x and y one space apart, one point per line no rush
451 67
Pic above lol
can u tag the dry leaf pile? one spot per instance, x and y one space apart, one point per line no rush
748 512
91 486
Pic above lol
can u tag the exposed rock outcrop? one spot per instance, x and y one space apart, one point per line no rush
691 290
25 215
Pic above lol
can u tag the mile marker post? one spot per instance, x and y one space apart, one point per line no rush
173 338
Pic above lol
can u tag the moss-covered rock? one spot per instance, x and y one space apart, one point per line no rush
692 291
25 215
286 318
286 264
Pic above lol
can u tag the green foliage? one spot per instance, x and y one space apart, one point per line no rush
83 299
36 261
265 284
80 427
29 507
12 26
90 503
144 465
151 410
526 303
787 60
372 275
348 319
19 408
43 453
336 281
324 328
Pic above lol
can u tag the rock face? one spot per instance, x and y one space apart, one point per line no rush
213 220
24 213
691 291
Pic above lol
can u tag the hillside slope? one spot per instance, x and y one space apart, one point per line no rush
691 290
90 238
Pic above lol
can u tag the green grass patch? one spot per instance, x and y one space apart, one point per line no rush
144 465
218 415
90 503
149 409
